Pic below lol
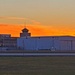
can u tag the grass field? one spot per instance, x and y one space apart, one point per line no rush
37 65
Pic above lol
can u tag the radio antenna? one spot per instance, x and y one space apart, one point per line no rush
25 24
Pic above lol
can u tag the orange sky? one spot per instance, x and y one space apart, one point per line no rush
43 17
36 30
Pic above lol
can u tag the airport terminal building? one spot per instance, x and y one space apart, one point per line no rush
28 42
52 43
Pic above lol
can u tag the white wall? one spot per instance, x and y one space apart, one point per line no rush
42 43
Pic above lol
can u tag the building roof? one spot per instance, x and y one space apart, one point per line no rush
25 30
53 36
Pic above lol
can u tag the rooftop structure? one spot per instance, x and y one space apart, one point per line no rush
25 33
5 35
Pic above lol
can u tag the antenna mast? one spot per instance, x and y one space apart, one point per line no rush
25 24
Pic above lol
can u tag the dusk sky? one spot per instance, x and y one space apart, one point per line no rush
43 17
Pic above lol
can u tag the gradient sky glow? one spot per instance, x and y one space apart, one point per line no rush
53 14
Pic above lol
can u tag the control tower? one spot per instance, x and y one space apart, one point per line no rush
25 33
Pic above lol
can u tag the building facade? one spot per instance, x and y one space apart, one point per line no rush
53 43
7 42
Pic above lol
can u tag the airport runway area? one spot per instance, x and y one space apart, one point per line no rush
37 54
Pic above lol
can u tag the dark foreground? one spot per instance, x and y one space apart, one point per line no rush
37 65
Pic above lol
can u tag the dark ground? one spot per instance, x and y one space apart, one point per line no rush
37 65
